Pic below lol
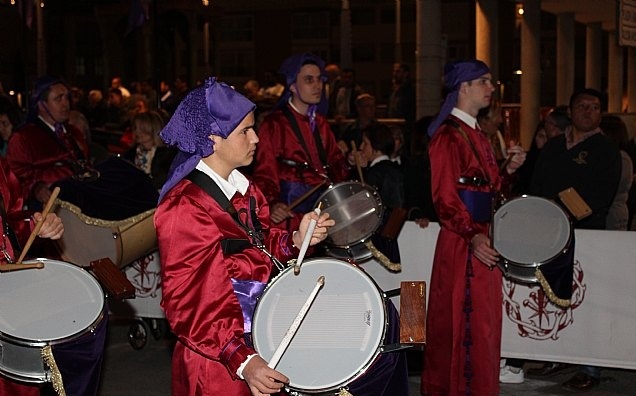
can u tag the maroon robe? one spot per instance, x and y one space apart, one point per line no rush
11 191
445 356
35 154
198 297
278 141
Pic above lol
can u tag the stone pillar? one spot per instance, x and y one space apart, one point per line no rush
565 57
428 57
593 55
531 69
631 85
615 75
487 34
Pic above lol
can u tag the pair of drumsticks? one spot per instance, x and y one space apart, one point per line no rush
18 265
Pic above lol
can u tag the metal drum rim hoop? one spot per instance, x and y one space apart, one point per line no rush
342 281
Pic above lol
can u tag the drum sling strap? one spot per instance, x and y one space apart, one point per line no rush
234 245
322 154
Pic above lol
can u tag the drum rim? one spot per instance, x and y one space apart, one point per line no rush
27 342
380 210
372 358
568 221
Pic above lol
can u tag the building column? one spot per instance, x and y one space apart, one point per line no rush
614 74
428 57
531 69
593 56
631 85
487 37
565 57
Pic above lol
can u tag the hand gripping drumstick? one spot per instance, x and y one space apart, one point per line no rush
278 354
306 240
38 226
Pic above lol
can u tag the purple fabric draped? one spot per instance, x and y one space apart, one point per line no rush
80 361
248 292
454 75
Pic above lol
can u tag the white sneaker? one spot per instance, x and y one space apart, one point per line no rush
511 375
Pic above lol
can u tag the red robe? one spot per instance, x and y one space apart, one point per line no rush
36 155
10 189
198 297
451 157
278 141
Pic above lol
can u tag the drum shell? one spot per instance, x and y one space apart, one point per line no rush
87 239
65 302
341 335
529 232
357 209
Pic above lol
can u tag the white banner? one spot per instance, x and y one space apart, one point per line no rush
599 329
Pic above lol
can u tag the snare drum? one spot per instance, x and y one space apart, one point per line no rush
529 232
39 307
88 239
341 334
357 210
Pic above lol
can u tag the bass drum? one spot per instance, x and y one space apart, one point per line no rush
39 307
341 334
357 210
529 232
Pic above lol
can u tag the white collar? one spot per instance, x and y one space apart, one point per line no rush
467 118
383 157
50 125
235 182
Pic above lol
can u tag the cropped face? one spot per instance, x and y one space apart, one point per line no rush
5 127
586 113
56 105
308 86
551 128
477 93
143 137
540 138
238 148
366 109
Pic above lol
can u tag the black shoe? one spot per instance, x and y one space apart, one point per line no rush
581 382
548 369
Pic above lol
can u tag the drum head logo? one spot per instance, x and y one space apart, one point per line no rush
533 313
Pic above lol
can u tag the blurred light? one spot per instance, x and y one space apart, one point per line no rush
517 72
12 92
520 10
12 2
205 2
42 4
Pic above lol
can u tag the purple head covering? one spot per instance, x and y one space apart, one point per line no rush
454 75
211 109
290 69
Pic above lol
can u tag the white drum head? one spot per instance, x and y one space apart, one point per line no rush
341 334
48 305
530 230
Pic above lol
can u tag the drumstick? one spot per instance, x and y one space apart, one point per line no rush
38 226
357 158
278 354
306 240
306 195
13 267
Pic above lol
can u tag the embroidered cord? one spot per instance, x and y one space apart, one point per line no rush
468 308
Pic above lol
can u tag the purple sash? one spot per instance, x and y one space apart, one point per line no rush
478 203
248 292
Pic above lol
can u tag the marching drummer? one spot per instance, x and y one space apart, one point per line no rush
464 314
217 247
79 363
298 155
